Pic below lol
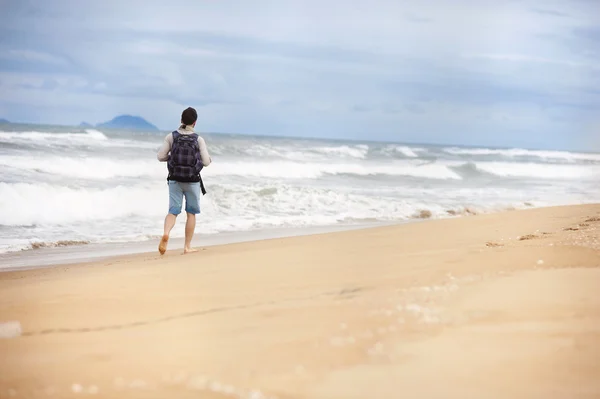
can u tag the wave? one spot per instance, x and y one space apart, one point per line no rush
263 149
35 205
97 168
358 151
296 152
25 245
402 151
27 204
227 205
529 170
90 134
88 138
520 152
93 168
103 168
55 244
314 170
407 151
32 205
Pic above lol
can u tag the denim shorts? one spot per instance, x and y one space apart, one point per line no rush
191 192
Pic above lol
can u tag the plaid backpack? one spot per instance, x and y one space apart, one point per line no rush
184 163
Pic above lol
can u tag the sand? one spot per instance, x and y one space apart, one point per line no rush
503 305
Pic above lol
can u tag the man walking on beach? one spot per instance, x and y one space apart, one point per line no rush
186 154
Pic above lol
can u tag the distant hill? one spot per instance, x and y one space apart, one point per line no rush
127 122
85 124
4 120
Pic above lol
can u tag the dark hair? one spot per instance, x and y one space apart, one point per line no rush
188 117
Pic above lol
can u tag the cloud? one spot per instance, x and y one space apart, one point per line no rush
550 12
418 19
33 56
477 71
534 59
591 34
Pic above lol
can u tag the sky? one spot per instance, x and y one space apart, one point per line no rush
478 72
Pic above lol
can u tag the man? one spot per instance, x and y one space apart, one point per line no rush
186 154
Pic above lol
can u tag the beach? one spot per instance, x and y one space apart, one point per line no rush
499 305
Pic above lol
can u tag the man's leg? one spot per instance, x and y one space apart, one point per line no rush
175 203
192 207
190 226
170 220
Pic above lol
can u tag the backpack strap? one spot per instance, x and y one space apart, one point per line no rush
202 186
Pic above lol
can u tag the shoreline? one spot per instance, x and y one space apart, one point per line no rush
92 252
72 254
495 305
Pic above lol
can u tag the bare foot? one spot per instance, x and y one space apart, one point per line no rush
162 247
189 250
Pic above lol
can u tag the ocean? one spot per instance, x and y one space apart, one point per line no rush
73 186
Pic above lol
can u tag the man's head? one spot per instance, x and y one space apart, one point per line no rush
189 117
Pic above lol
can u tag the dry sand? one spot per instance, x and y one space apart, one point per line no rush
489 306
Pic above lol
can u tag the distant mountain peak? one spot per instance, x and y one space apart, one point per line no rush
2 120
128 122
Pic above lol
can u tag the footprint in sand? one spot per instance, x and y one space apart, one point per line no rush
571 229
593 219
493 244
528 237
